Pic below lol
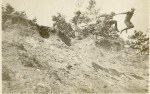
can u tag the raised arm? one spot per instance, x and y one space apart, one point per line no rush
103 15
122 13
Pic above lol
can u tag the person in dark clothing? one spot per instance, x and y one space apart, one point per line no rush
76 20
127 21
109 20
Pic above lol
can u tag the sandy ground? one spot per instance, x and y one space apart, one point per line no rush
32 64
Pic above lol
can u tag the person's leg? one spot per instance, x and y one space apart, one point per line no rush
128 26
131 25
123 30
114 22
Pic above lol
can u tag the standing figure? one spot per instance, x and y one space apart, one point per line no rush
75 20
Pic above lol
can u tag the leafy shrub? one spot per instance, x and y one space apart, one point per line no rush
61 25
8 9
10 17
140 42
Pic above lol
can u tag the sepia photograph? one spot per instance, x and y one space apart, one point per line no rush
75 46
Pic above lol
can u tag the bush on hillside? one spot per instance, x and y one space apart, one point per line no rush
8 9
61 25
140 42
10 17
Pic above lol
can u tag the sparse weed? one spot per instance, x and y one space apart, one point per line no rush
6 73
29 61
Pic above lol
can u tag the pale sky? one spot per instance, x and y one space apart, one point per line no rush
44 9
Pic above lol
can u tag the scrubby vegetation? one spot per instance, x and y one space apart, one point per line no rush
65 30
83 55
140 42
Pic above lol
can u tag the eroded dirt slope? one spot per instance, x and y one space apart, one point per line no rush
32 64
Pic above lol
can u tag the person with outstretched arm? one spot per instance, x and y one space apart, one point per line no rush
109 19
127 21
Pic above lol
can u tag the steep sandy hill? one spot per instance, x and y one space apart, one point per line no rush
32 64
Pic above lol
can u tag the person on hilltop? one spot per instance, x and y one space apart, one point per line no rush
109 20
75 20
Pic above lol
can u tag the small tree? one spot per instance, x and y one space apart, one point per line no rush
91 6
21 14
8 9
61 25
139 41
3 9
79 3
34 20
80 18
92 12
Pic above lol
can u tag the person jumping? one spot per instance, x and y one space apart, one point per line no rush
127 21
